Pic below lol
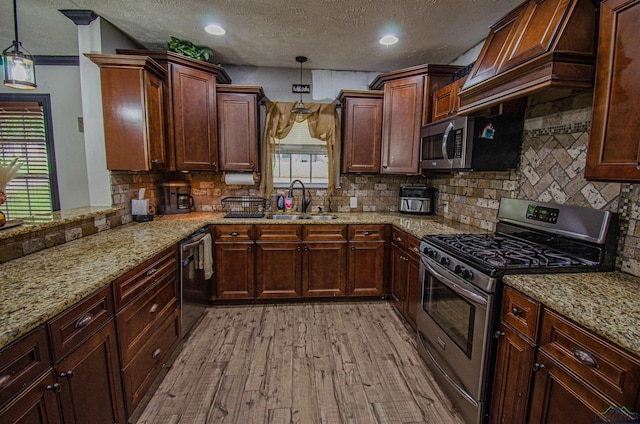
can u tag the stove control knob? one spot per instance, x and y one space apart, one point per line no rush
467 274
445 261
458 270
432 254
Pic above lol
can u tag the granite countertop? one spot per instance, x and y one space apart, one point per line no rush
36 287
607 303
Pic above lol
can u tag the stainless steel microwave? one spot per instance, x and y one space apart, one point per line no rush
467 142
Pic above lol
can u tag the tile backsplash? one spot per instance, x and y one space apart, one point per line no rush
551 167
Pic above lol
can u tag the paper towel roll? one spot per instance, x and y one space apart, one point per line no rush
239 179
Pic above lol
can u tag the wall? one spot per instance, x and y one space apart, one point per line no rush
62 83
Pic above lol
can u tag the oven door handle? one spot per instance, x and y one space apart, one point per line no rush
199 240
467 294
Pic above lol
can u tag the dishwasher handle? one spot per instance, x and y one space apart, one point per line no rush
199 239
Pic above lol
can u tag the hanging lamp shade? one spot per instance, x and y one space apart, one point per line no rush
18 64
300 108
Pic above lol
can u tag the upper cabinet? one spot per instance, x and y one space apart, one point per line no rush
191 109
614 147
133 104
542 44
446 101
361 130
238 126
407 106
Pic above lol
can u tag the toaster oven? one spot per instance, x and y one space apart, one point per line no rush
417 200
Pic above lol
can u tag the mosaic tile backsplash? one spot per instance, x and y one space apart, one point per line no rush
555 139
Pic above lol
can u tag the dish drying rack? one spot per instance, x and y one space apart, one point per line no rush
245 207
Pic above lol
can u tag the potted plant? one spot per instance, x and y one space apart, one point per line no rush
187 48
8 170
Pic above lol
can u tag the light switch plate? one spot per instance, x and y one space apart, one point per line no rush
353 202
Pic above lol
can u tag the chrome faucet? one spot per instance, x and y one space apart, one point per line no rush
306 201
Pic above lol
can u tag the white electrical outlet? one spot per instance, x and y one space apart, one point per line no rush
353 202
445 207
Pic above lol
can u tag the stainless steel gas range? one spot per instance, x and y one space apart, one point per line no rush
462 288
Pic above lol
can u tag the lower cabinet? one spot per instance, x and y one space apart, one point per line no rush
235 261
406 288
367 255
552 370
37 404
324 260
278 261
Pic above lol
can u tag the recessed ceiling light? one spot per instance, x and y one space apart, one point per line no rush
388 40
215 29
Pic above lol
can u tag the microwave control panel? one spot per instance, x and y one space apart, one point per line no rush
457 144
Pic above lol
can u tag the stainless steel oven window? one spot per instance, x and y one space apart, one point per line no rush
454 314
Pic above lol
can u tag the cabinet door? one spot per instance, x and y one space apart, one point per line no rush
237 131
512 379
614 146
90 388
279 267
366 268
443 102
36 405
362 135
324 269
156 129
194 118
398 277
414 291
235 270
401 125
559 397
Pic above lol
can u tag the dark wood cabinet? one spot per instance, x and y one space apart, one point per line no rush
235 261
406 287
133 104
446 101
361 130
238 126
36 404
401 125
613 153
324 260
540 45
367 257
278 261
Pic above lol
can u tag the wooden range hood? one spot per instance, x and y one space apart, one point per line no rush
540 45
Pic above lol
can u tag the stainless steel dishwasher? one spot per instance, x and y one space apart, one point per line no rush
195 289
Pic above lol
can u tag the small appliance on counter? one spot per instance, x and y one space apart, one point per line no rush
176 198
417 200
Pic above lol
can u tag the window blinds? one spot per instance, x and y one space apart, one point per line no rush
22 134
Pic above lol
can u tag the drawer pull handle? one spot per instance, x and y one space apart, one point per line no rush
84 320
415 249
367 233
584 357
537 367
67 374
153 308
234 234
498 334
4 380
151 272
398 239
156 353
55 387
516 312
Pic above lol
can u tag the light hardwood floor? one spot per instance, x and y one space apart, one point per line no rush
299 363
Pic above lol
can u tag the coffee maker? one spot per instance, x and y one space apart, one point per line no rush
176 198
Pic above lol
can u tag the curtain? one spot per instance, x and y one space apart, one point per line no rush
323 124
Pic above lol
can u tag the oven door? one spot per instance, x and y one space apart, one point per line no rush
454 323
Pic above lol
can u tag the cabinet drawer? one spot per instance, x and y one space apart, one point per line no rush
413 248
134 282
22 362
233 233
324 232
600 363
75 325
149 360
521 313
138 320
279 232
399 238
366 232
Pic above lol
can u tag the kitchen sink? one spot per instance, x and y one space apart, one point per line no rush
290 217
321 217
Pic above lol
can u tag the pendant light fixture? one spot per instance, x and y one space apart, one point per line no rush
19 66
300 108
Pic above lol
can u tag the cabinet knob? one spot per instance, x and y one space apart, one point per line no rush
299 248
516 312
156 353
55 387
250 249
353 248
67 374
151 272
214 165
5 379
584 357
537 367
153 308
306 249
498 334
84 320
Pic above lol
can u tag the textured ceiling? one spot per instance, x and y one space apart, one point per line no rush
334 34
